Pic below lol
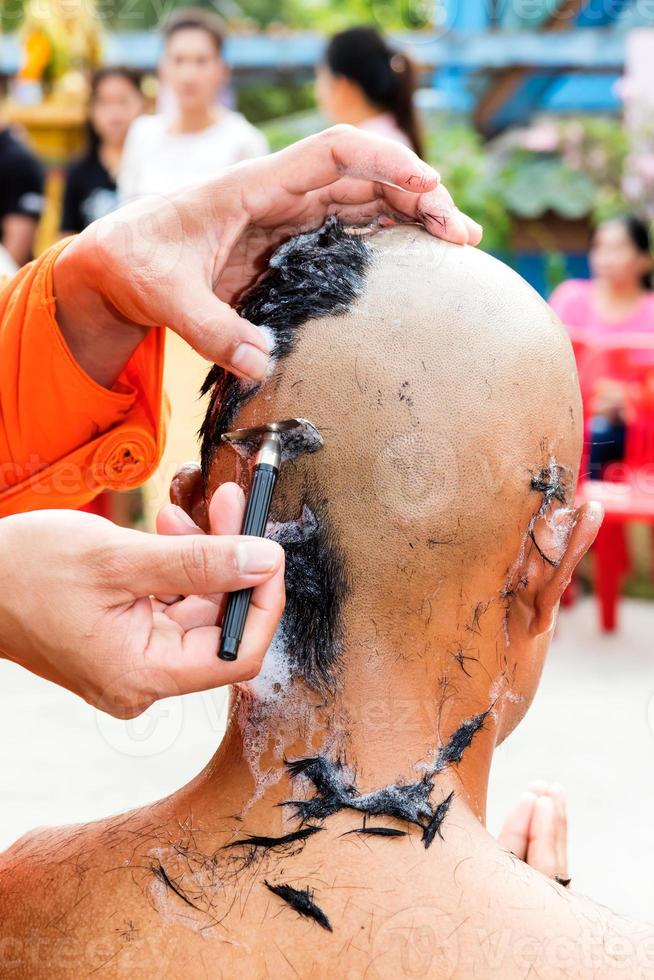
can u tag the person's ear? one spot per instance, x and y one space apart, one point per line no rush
561 541
187 492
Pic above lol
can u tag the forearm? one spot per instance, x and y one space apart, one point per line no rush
100 340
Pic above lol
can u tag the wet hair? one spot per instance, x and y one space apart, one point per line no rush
386 76
319 273
639 235
97 78
316 274
195 18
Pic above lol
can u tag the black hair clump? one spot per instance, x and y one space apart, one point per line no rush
451 753
317 584
301 900
335 791
550 481
273 843
434 825
319 273
376 832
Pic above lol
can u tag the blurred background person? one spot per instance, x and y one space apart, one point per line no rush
21 199
167 151
364 82
617 299
164 153
91 191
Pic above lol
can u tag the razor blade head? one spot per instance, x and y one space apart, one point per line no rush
259 431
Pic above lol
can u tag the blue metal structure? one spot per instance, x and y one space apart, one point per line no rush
495 58
511 97
469 50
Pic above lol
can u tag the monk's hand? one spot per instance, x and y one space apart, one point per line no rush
536 830
123 618
180 261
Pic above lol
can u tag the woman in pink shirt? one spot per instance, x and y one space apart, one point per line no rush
617 299
366 83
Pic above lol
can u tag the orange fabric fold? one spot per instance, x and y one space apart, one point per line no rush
63 438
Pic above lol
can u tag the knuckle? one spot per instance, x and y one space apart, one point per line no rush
197 562
228 558
251 669
339 135
341 130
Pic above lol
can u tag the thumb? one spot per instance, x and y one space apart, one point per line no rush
193 564
217 332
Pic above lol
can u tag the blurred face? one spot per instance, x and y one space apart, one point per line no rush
193 68
334 95
614 258
115 107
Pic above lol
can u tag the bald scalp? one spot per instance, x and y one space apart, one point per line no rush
442 390
447 395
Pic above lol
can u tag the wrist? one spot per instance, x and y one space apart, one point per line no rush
100 340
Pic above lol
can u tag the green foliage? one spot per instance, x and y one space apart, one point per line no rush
261 101
11 15
555 270
494 184
283 132
457 151
316 15
533 184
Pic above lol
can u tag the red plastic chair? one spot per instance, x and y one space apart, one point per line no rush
627 490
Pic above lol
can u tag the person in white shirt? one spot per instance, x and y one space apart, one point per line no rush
163 152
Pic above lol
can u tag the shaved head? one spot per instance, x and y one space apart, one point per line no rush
447 396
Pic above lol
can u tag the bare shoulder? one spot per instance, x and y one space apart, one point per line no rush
560 933
613 945
524 924
68 895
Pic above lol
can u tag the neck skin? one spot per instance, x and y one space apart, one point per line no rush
194 119
110 155
386 720
612 295
359 109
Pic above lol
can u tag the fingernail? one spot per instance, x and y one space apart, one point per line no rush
182 516
251 361
257 555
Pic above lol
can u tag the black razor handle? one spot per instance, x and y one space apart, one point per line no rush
257 509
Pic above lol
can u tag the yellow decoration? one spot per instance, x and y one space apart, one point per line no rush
60 38
38 51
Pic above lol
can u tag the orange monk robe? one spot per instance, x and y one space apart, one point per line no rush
64 438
